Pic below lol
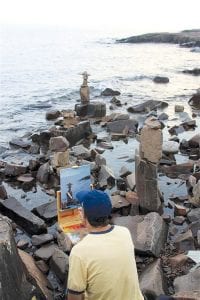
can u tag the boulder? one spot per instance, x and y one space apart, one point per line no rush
147 185
36 276
152 281
22 216
14 170
185 241
81 152
176 170
130 181
93 109
59 264
119 126
52 114
119 202
169 147
148 232
38 240
178 260
42 266
109 92
20 143
58 144
106 177
47 211
188 282
60 159
43 173
195 101
194 227
14 284
194 142
45 252
161 79
3 192
194 215
147 106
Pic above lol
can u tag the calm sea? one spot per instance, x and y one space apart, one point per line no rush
40 70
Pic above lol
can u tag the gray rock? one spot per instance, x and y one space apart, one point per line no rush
3 192
163 116
106 177
81 151
52 114
42 266
43 173
147 106
194 142
195 101
161 79
12 275
38 240
22 244
58 144
189 282
45 252
120 126
22 216
14 170
152 280
179 108
185 241
92 110
59 264
194 226
194 215
20 143
170 147
195 71
47 211
100 160
110 92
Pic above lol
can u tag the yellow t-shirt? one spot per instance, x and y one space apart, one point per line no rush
103 266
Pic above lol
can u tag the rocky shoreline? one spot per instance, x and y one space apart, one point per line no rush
159 200
186 38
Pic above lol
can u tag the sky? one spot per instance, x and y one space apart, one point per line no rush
137 15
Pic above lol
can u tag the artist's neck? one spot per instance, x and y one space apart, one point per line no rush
98 229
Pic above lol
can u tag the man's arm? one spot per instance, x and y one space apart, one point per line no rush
75 296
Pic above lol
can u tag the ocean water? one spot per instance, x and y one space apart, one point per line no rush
40 70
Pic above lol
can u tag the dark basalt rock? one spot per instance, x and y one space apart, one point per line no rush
52 114
160 79
109 92
195 101
147 106
22 216
195 72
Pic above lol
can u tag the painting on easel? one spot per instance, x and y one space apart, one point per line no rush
72 181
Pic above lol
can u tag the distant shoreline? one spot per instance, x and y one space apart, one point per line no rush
185 38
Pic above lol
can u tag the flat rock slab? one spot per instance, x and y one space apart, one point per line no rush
148 232
38 240
147 106
189 282
46 251
22 216
12 276
152 280
14 170
47 211
120 126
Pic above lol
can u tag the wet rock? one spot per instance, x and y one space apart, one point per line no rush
110 92
58 144
147 106
36 276
92 110
178 260
52 114
147 185
179 108
188 283
14 170
38 240
152 281
195 71
120 126
43 173
194 215
22 216
169 147
161 79
20 143
3 192
195 101
185 241
106 177
81 151
47 211
12 275
59 264
45 252
115 101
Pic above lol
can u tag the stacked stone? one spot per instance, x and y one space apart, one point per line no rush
147 160
59 146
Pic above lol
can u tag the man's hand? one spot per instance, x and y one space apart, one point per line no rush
75 297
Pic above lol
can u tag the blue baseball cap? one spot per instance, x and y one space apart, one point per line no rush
95 203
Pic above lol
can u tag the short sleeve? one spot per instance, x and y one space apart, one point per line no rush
77 277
